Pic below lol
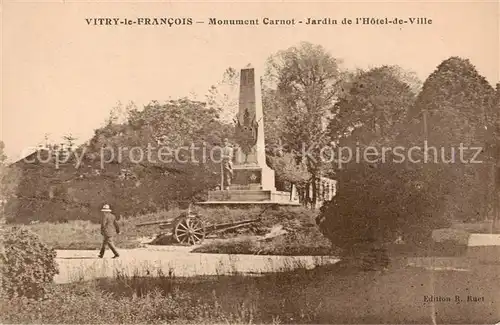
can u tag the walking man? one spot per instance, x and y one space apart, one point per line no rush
109 228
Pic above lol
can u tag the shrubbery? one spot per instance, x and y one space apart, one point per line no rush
376 204
301 237
27 264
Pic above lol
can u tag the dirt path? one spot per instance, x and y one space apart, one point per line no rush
77 265
151 260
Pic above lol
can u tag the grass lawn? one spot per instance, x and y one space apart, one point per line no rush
332 295
304 237
78 235
75 235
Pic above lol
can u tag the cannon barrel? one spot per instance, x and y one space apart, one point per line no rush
162 222
231 225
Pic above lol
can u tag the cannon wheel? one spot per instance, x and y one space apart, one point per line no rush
189 230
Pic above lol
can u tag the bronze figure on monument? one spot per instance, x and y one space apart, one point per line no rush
227 165
246 134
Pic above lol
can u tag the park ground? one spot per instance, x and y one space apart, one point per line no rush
333 294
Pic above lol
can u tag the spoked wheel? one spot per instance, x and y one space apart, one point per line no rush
189 230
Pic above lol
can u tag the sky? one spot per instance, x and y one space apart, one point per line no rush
61 75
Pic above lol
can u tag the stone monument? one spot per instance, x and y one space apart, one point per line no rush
251 180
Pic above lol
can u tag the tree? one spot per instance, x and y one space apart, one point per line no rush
9 179
70 141
397 198
274 115
458 101
304 83
459 105
175 139
223 97
408 77
3 156
119 113
174 123
373 104
496 153
409 199
288 171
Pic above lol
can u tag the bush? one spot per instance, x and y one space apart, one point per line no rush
376 204
27 264
302 235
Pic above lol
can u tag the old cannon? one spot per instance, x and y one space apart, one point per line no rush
191 229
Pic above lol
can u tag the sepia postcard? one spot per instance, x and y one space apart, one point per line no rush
250 162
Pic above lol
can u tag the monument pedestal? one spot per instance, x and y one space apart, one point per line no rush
251 184
252 177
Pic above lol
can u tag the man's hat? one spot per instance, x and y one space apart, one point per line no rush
106 208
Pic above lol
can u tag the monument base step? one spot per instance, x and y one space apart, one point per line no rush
248 187
247 203
249 197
